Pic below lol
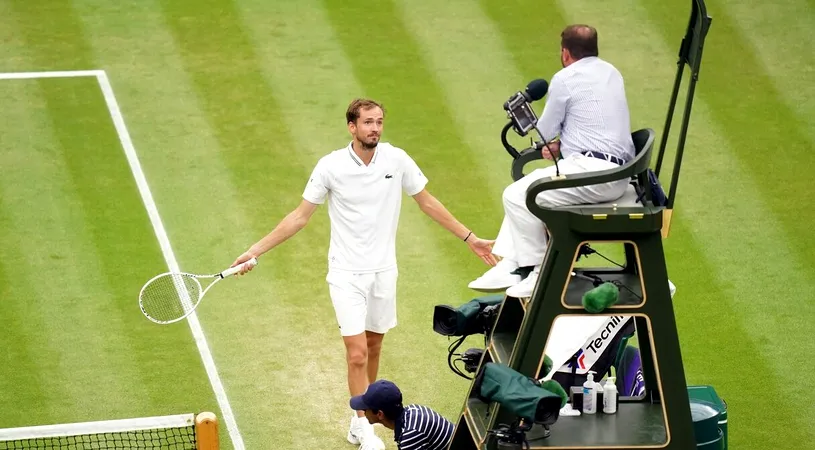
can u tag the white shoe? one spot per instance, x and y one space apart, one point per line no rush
356 429
672 287
362 433
524 288
497 278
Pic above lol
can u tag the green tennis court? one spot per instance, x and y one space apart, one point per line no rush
228 106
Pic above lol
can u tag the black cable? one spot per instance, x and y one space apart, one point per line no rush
544 143
451 351
617 283
620 284
609 260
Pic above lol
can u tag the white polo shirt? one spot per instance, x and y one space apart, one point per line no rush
364 204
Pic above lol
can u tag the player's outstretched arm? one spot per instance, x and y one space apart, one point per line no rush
431 206
288 227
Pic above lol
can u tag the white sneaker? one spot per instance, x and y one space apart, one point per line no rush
524 288
362 433
356 429
672 287
497 278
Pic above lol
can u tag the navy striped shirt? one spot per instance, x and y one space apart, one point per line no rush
421 428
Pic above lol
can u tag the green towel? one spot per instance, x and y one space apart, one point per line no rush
519 393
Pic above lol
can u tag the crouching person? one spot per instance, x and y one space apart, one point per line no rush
415 427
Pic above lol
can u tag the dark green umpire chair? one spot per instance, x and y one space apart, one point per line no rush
638 221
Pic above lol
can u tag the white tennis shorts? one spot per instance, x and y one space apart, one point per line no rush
363 301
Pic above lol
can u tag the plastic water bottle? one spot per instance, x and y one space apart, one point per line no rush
589 395
610 396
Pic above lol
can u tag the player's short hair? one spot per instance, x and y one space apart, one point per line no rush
580 40
359 104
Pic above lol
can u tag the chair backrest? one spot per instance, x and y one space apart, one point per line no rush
643 147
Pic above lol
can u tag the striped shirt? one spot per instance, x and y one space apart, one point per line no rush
587 108
421 428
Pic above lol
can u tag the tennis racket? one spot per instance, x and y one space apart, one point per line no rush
172 296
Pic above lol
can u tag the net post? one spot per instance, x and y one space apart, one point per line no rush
206 431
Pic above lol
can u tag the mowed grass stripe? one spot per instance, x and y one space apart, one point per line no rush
782 36
533 46
313 83
63 43
101 182
435 267
28 358
753 284
84 337
15 56
768 138
178 150
119 227
477 75
239 105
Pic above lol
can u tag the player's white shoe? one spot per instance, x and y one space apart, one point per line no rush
362 433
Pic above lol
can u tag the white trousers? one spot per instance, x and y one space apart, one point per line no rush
522 237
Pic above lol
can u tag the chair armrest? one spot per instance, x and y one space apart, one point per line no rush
525 156
578 179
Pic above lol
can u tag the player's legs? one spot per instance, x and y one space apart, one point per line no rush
356 356
374 350
381 315
349 294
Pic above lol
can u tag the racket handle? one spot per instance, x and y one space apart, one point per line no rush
236 269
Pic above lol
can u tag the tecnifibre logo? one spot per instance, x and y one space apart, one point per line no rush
604 335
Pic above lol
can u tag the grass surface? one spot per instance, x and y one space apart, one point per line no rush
230 105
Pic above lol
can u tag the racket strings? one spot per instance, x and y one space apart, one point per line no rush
170 296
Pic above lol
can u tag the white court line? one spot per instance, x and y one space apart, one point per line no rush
62 74
158 228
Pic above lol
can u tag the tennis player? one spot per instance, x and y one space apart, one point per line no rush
363 184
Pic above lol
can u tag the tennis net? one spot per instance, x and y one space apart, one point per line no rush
176 432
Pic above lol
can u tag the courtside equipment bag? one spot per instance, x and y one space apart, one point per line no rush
520 394
469 318
657 193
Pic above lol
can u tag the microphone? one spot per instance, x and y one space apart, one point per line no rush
597 299
536 90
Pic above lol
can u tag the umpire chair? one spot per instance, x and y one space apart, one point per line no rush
639 220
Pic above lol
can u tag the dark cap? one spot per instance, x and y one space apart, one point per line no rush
381 395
